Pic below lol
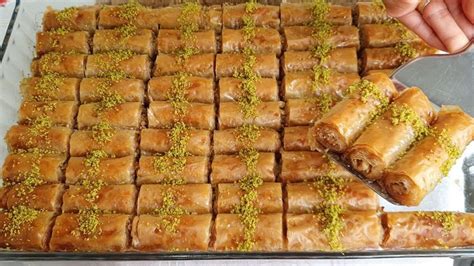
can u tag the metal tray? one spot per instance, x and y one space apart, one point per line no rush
455 193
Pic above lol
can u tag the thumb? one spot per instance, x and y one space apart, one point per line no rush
399 8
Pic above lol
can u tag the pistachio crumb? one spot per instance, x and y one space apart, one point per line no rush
40 126
172 163
446 219
88 224
92 188
129 10
30 180
92 162
333 223
177 94
47 87
66 14
188 26
367 90
18 217
169 213
102 132
406 115
449 147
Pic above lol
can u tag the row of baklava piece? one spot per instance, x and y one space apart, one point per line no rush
225 168
203 65
296 38
297 110
342 60
214 17
266 40
361 230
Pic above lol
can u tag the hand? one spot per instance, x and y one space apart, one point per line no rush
444 24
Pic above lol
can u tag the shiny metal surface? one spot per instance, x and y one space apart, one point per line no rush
63 256
446 79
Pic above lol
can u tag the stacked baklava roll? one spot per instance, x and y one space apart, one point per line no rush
248 199
324 202
100 173
33 172
319 63
386 43
175 199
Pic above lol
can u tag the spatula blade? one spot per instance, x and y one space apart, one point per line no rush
445 79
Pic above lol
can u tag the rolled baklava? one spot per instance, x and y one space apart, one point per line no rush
339 128
406 120
418 172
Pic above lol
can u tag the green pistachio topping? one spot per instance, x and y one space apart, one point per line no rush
188 26
107 98
404 46
177 95
321 76
169 212
406 115
249 28
102 132
331 189
61 31
379 5
248 214
367 90
322 52
325 102
187 21
92 188
252 180
126 31
248 135
66 14
406 49
332 221
129 10
250 6
31 180
47 87
92 162
108 64
246 209
40 126
449 147
88 224
18 217
248 99
446 219
172 163
321 34
320 10
49 61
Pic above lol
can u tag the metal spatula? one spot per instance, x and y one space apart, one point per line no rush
445 79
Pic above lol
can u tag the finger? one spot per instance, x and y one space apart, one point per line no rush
415 22
437 15
398 8
468 8
455 8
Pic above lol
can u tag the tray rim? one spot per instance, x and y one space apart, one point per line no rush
464 253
